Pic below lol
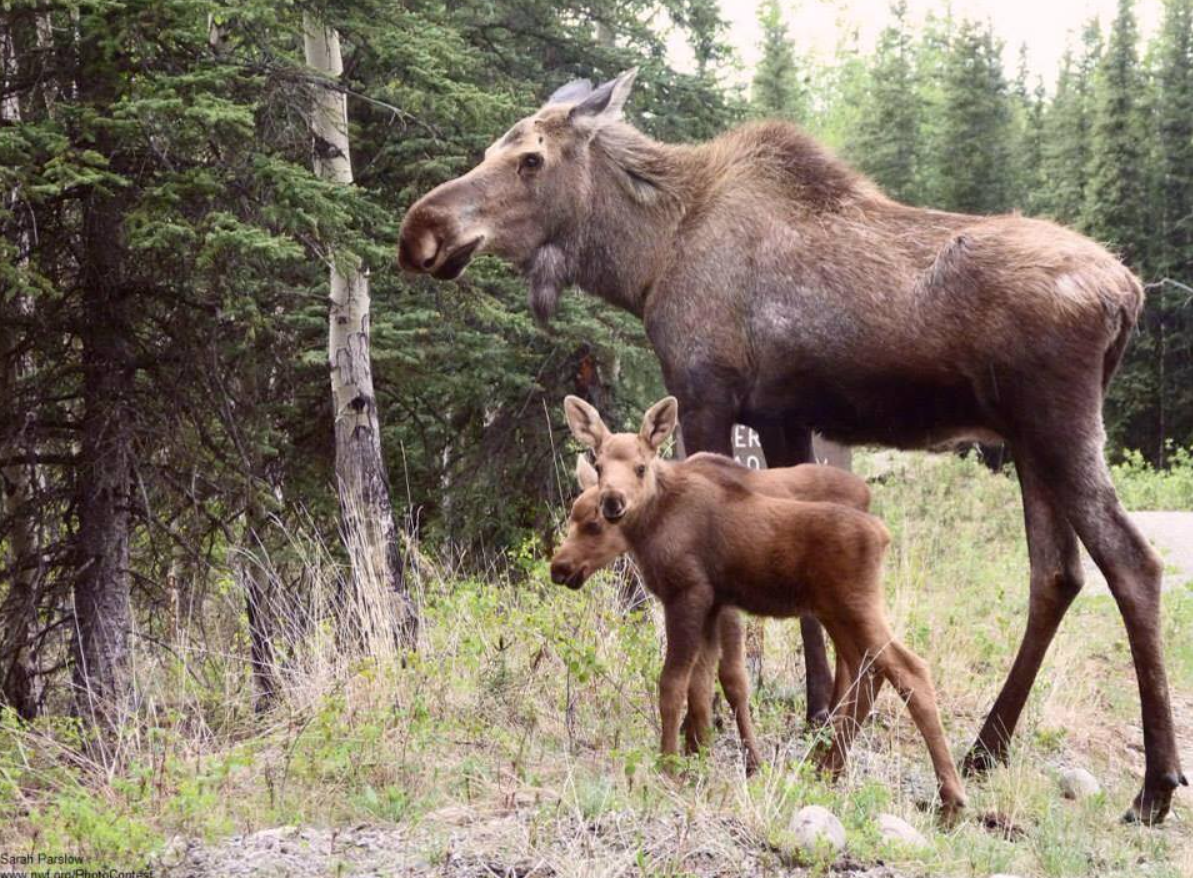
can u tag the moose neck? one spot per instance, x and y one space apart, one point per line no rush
637 202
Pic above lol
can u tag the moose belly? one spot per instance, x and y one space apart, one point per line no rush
897 411
777 592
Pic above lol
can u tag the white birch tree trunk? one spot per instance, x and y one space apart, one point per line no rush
370 533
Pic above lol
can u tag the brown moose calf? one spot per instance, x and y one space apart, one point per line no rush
593 542
705 542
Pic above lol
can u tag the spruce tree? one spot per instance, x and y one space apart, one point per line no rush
1067 124
975 137
1113 212
887 144
1172 251
777 88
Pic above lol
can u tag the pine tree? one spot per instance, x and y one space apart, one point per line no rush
975 139
1067 123
887 144
777 89
1113 212
1172 251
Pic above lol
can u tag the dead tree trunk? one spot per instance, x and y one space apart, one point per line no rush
103 613
370 533
20 480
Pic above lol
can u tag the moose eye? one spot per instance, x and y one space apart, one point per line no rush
532 161
641 471
592 529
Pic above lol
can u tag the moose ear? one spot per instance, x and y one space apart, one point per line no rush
659 422
585 422
576 90
586 473
608 99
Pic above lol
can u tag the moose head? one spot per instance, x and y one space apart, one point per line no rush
626 464
526 201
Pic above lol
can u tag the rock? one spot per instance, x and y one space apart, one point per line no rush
815 827
1077 783
898 830
1004 875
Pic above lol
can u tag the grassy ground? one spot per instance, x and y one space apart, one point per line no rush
524 731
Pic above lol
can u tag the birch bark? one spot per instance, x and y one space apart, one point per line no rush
370 532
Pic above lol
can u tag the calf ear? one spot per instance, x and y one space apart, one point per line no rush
585 422
608 99
586 473
659 422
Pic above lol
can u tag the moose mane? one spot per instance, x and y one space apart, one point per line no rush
660 187
773 154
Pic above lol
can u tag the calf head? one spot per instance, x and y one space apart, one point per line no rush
626 463
529 195
591 542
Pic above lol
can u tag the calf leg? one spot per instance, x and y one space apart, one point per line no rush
1056 579
735 683
870 639
698 722
909 675
790 445
1080 482
858 685
686 621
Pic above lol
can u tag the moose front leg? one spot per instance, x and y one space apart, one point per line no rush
687 618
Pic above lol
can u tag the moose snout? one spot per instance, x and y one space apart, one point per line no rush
418 248
612 505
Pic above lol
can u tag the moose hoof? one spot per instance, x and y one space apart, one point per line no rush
980 760
817 720
1154 801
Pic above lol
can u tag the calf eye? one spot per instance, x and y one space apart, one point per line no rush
641 471
532 161
593 529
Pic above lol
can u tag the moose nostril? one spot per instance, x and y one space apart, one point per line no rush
418 249
559 574
430 260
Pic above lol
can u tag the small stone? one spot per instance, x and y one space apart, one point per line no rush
816 827
1077 783
898 830
1004 875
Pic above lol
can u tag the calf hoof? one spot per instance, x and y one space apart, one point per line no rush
1154 801
981 759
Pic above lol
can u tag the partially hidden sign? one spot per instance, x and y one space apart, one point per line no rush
747 450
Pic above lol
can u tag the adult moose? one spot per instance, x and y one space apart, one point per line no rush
783 290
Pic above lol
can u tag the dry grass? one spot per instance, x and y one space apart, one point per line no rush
523 731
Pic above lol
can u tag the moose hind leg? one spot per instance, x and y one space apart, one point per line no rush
1056 579
1081 483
